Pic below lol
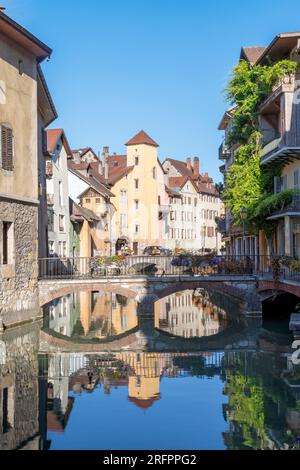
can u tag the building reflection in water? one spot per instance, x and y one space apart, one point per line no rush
19 389
259 407
92 315
190 314
261 394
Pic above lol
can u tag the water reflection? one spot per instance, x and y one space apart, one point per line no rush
104 315
91 315
240 395
190 314
240 400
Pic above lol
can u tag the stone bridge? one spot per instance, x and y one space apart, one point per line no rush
147 290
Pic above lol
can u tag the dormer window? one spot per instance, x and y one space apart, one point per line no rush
7 147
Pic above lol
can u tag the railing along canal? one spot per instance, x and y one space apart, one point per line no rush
100 267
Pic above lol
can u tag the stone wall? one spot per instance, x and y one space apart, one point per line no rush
19 279
19 375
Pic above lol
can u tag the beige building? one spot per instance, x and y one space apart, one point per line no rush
25 107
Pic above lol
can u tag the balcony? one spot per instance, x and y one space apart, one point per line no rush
279 151
224 152
292 210
285 85
50 199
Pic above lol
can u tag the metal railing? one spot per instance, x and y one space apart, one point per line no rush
266 267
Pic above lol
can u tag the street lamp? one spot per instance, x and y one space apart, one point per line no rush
244 215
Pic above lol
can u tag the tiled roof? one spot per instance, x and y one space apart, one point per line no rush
252 54
144 404
119 173
142 138
177 181
181 167
78 212
53 136
96 184
117 161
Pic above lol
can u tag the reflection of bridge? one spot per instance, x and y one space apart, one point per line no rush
239 335
146 290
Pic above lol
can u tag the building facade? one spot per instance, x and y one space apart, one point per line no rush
20 126
58 193
279 116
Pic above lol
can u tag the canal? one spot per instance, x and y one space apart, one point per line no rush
95 374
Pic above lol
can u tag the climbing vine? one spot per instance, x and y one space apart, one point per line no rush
246 184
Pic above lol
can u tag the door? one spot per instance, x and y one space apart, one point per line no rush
135 248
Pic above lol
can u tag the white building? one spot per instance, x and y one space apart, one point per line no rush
194 206
58 192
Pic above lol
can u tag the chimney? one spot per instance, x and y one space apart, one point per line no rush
105 155
196 166
188 164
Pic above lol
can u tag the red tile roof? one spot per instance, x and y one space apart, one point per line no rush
181 167
53 136
142 138
117 161
144 404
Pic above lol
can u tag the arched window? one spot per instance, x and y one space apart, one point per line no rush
154 172
7 147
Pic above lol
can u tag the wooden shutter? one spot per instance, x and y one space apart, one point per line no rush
6 148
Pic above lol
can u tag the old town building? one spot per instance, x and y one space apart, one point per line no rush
278 121
24 100
58 151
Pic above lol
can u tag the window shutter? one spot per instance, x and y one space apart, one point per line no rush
7 148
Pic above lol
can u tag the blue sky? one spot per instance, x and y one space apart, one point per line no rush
120 66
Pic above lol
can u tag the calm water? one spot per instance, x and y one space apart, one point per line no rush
187 374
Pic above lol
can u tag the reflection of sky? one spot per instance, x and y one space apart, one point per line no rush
188 416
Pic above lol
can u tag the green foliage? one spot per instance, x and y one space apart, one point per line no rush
246 403
246 183
270 204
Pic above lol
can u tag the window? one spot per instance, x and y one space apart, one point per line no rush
6 148
123 221
189 200
7 409
64 249
172 215
98 200
60 193
59 248
296 179
159 200
115 164
51 248
136 202
136 184
137 228
123 196
7 243
154 172
284 183
195 202
136 161
61 223
87 201
50 220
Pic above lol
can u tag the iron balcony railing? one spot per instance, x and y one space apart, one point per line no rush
265 267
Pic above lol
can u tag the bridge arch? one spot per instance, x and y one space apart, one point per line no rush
52 291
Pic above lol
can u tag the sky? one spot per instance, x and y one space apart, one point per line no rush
119 66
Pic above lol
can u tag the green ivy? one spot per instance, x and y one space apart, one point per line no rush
246 183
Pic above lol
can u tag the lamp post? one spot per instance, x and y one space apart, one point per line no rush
244 215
